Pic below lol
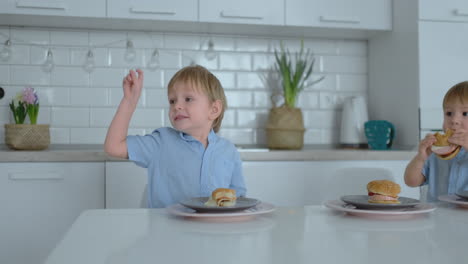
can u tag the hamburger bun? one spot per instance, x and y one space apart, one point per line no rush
442 148
383 191
222 197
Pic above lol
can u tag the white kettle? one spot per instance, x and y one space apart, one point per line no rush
352 123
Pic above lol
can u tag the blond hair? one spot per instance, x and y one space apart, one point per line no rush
458 92
202 80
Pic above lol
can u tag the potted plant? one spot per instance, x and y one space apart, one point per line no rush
285 125
23 136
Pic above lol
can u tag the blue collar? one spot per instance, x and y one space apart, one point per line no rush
212 137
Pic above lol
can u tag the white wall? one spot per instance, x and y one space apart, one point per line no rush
79 105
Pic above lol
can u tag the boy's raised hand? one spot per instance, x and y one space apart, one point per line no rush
459 137
132 85
424 150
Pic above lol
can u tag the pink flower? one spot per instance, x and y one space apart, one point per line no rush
30 96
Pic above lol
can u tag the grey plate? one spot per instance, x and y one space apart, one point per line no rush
198 204
462 194
360 201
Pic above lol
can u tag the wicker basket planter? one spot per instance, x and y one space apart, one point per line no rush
27 136
285 128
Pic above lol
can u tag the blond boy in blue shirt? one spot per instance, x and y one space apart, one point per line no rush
190 159
444 176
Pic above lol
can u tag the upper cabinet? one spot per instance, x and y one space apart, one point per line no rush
180 10
260 12
82 8
448 10
358 14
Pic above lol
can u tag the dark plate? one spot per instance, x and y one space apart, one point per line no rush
198 204
462 194
361 202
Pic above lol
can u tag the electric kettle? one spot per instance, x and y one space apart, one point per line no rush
352 123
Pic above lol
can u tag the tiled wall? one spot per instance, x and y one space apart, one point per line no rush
80 105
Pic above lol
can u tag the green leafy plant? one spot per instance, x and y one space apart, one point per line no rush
26 103
294 74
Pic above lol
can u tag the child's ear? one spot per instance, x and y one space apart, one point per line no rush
216 109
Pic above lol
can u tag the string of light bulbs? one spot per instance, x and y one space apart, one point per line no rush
89 63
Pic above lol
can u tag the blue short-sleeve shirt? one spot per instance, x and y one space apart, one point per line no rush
180 167
445 176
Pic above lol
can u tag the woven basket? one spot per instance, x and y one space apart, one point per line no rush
285 128
27 137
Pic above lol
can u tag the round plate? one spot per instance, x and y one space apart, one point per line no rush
462 194
361 202
261 208
198 204
402 213
454 199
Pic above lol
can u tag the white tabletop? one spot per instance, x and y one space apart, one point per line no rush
313 234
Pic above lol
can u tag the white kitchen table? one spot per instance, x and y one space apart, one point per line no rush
311 234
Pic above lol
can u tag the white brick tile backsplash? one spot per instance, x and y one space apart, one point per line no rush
70 76
28 75
59 135
246 80
232 61
33 36
4 75
239 99
5 114
88 96
157 98
69 38
198 57
87 135
79 106
184 42
70 117
4 34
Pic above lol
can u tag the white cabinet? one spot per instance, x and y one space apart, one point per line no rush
291 183
82 8
359 14
448 10
40 201
125 185
265 12
181 10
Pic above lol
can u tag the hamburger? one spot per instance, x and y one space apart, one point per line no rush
222 197
383 191
442 148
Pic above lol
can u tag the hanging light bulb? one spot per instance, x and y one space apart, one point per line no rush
210 53
153 62
88 65
130 53
5 53
48 65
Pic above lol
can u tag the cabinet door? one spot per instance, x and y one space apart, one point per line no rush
40 201
125 185
443 56
447 10
182 10
265 12
82 8
360 14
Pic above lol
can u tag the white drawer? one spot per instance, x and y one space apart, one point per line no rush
181 10
447 10
82 8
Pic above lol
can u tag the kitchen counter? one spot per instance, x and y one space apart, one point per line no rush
95 153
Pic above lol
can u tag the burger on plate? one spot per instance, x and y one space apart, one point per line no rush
442 148
222 197
383 191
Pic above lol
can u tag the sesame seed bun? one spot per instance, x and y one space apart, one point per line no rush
384 187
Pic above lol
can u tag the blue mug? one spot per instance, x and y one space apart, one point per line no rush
379 133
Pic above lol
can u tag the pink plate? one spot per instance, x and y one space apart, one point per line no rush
262 208
453 199
405 213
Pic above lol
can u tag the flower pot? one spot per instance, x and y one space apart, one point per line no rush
285 128
27 137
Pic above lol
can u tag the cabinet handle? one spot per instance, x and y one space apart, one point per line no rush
227 14
147 11
349 20
457 12
25 176
41 5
